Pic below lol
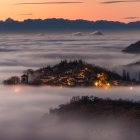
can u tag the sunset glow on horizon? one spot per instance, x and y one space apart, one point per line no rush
124 11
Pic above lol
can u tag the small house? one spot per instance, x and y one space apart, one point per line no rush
24 79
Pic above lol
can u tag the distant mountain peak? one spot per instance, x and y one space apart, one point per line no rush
9 20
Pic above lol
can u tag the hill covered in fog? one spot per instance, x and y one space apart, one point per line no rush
64 24
89 107
133 48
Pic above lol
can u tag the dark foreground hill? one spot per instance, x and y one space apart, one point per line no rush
92 118
90 108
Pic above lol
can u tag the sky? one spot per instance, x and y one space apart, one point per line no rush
119 10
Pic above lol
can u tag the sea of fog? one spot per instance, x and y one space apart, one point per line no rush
22 108
20 51
22 111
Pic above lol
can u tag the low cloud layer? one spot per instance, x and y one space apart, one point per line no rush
119 1
26 14
44 3
131 18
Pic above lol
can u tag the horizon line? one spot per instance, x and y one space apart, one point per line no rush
70 20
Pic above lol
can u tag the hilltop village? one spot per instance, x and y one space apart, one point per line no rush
71 74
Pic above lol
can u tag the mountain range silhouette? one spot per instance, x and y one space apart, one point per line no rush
65 24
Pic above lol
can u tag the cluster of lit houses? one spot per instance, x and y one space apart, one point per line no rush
78 75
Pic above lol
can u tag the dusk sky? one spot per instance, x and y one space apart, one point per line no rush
71 9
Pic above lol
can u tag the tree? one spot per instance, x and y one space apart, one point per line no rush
28 71
124 74
139 76
127 76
